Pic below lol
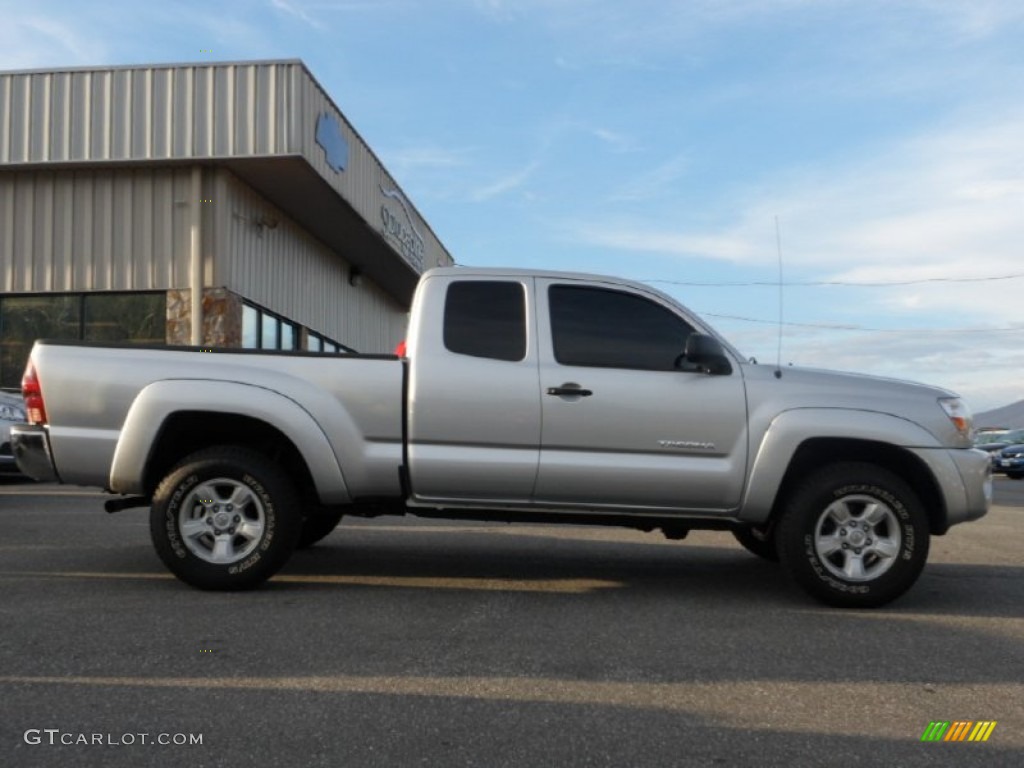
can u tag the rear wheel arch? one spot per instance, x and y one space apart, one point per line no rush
185 432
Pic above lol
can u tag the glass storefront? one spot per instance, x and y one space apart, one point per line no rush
133 318
126 318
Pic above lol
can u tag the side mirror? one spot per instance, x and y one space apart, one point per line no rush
704 354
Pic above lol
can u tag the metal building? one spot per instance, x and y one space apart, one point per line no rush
226 204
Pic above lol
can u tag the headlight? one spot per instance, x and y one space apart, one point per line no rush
958 413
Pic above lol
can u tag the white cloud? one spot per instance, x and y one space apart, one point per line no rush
32 40
504 184
297 11
655 183
946 205
426 157
964 363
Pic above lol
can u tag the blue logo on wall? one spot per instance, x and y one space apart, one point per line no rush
329 136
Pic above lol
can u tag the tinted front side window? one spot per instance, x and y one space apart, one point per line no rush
486 318
612 329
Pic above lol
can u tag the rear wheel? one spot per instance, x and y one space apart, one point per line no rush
225 518
757 541
1015 475
853 535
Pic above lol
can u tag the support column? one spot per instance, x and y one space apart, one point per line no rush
196 254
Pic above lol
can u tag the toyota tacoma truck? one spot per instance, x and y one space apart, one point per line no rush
521 397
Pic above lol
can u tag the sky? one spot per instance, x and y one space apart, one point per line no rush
868 154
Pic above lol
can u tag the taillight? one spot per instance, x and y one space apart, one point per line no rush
33 395
401 349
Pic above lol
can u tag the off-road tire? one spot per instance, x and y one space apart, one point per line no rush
247 539
822 555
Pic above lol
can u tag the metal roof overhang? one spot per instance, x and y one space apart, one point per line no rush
291 184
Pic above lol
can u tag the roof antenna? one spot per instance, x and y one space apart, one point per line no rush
778 352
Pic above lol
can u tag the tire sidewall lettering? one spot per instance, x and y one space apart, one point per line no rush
906 540
174 538
271 517
172 517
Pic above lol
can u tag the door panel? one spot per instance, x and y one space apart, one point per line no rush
651 436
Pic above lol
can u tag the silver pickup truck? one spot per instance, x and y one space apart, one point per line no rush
524 396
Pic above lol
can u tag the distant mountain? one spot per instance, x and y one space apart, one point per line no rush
1008 416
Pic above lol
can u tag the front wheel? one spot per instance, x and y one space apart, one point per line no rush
225 518
853 535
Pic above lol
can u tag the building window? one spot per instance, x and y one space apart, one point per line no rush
317 343
138 318
268 332
265 330
250 327
135 318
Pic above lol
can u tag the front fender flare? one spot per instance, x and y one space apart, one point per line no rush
791 429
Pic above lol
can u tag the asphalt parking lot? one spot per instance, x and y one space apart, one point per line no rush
402 642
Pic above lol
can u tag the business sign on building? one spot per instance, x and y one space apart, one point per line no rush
399 228
332 141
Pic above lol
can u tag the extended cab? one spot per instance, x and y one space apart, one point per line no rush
524 396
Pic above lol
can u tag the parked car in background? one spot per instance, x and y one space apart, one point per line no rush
994 443
1010 460
984 437
12 411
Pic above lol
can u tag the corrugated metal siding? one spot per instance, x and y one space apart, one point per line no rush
181 112
149 113
94 230
287 271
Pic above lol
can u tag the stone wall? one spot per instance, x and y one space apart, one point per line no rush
222 317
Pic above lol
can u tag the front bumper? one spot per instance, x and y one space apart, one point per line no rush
975 469
963 477
30 445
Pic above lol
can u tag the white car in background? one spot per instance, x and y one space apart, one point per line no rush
12 411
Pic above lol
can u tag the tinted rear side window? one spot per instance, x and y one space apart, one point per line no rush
611 329
486 318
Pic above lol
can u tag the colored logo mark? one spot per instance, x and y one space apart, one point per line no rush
329 136
958 730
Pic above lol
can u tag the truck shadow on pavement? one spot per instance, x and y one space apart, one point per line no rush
704 571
